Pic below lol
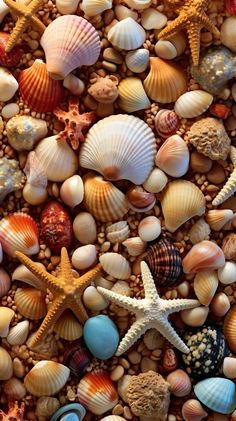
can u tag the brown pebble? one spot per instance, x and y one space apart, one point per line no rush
134 357
200 163
117 373
216 175
118 410
127 413
148 364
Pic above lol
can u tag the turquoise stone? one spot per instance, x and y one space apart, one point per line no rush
70 412
71 416
101 336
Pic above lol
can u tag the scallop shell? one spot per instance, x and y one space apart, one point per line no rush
166 123
19 232
95 7
199 231
165 81
135 246
93 300
117 232
103 200
227 274
18 333
204 255
5 282
192 104
77 44
6 367
180 383
126 35
195 317
115 265
96 392
173 157
217 218
84 227
21 273
137 61
192 410
180 201
46 406
30 303
38 90
119 147
46 378
14 389
205 286
132 96
217 394
68 327
229 328
6 316
72 191
67 7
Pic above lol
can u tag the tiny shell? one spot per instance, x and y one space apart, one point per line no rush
93 300
204 255
132 96
180 383
68 327
115 265
5 282
72 191
229 328
192 410
8 85
156 181
18 333
137 61
30 303
46 378
135 246
84 257
166 123
67 7
229 367
153 19
217 218
95 7
6 368
173 157
220 304
195 317
192 104
117 232
205 286
149 228
14 389
126 35
227 274
199 231
139 199
217 393
84 228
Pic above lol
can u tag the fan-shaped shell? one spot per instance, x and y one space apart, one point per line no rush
30 303
205 285
117 232
137 61
18 333
95 7
192 104
6 316
217 218
229 328
6 367
132 96
115 265
138 4
77 44
204 255
180 383
119 147
38 90
173 156
126 35
46 378
180 201
217 394
165 82
68 327
192 410
199 231
135 246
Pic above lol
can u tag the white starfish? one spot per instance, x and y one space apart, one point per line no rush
151 312
230 186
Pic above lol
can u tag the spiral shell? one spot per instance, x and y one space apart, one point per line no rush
166 123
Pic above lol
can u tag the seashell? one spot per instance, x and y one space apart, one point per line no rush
12 58
227 33
38 90
217 218
30 303
46 349
35 191
166 123
102 199
205 286
230 6
115 265
123 12
165 49
6 316
122 288
21 273
67 7
46 406
217 394
4 10
103 282
156 181
126 35
180 201
220 110
220 304
24 131
14 389
153 19
5 282
138 4
77 358
84 257
139 199
228 246
70 411
84 228
113 418
192 410
93 300
6 367
8 84
132 96
96 392
195 317
128 154
229 367
227 274
203 255
173 157
46 378
149 228
192 104
170 361
68 327
95 7
12 178
229 328
180 383
117 232
59 161
74 84
72 191
137 61
77 44
165 81
18 333
19 232
199 231
123 385
135 246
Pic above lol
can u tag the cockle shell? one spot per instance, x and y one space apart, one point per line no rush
72 191
119 147
6 368
195 316
227 274
117 232
135 246
192 104
166 123
77 44
21 273
46 406
205 286
137 61
173 157
96 392
46 378
126 35
5 282
192 410
204 255
24 131
156 181
30 303
229 328
8 84
165 81
19 232
180 383
68 327
217 393
217 218
115 265
84 257
132 96
95 7
84 228
199 231
67 7
6 316
14 389
93 300
18 333
38 90
180 201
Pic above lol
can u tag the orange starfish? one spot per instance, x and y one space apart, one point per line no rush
14 413
74 122
192 17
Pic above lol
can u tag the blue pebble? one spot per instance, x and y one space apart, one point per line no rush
70 412
101 336
71 416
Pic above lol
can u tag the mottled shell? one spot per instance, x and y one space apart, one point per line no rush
199 231
126 35
192 410
46 378
6 368
173 157
137 61
132 96
229 328
6 316
204 255
68 327
192 104
166 123
30 303
115 265
117 232
180 383
18 333
205 286
24 131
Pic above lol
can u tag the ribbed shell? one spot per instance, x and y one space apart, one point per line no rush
18 334
115 265
205 286
166 123
6 368
217 394
30 303
95 7
199 231
229 328
77 358
76 44
119 147
192 104
192 410
127 35
46 378
132 96
67 7
68 327
118 232
180 383
173 157
217 218
137 61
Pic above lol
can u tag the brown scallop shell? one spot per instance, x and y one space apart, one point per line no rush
229 328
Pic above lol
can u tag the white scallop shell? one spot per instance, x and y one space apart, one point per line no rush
67 7
117 232
137 61
6 316
199 231
46 378
126 35
115 265
132 96
95 7
93 300
193 103
18 334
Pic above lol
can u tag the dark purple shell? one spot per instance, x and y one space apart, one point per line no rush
77 358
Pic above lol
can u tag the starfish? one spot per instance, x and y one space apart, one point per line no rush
230 186
75 122
14 413
151 312
66 290
192 17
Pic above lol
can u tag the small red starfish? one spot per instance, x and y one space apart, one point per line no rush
74 122
15 412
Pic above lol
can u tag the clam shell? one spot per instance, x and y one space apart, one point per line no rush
192 410
166 123
173 157
68 327
205 286
74 84
84 257
199 231
14 389
135 246
229 328
6 316
192 104
21 273
137 61
8 84
180 201
46 378
220 304
6 368
95 7
46 406
115 265
93 300
180 383
96 392
77 358
38 90
72 191
84 227
227 274
217 218
165 49
117 232
132 96
149 228
119 147
102 199
123 12
77 44
67 7
5 282
227 33
18 333
156 181
30 303
126 35
165 82
19 232
217 394
195 317
204 255
122 288
229 367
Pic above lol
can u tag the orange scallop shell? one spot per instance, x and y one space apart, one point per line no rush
229 328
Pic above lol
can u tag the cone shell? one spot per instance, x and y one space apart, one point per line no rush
68 327
132 96
180 201
217 218
229 328
6 315
102 199
199 231
165 81
46 378
18 333
19 232
192 410
117 232
180 383
205 255
95 7
97 393
120 147
205 286
77 44
6 368
173 157
115 265
30 303
126 35
38 90
192 104
217 394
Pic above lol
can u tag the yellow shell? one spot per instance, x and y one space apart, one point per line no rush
30 303
68 327
6 368
6 315
229 328
132 96
217 218
205 285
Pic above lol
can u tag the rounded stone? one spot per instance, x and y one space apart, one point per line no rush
70 412
101 336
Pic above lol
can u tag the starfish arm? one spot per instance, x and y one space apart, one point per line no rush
148 282
17 31
15 7
166 330
174 27
193 32
83 281
79 311
171 306
137 329
66 269
38 24
208 24
130 304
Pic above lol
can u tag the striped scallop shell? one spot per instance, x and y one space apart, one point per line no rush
19 232
205 286
6 316
192 104
126 35
180 383
95 7
137 61
6 367
38 90
18 333
68 327
132 96
217 218
199 231
115 265
229 328
173 157
192 410
97 392
30 303
119 147
46 378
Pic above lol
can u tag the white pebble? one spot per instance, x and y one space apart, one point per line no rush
10 110
84 257
227 274
149 228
